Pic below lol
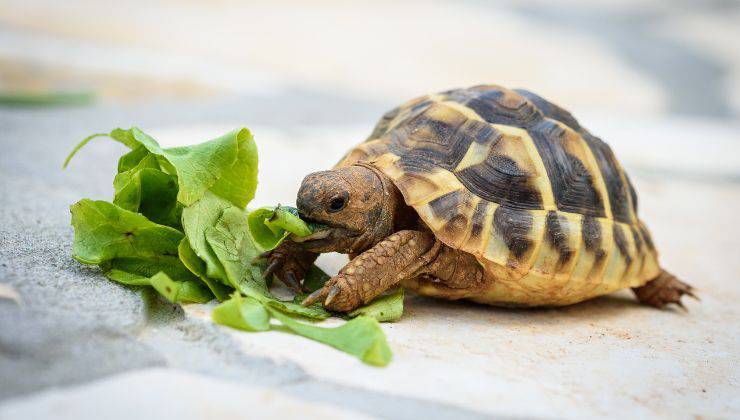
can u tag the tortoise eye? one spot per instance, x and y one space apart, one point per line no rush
336 204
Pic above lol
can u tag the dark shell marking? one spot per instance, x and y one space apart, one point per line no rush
497 106
612 176
500 180
636 238
572 184
447 208
514 225
646 237
424 143
557 235
550 110
621 242
591 232
617 186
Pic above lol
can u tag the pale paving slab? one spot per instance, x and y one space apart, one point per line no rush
166 393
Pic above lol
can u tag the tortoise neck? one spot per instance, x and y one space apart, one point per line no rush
394 214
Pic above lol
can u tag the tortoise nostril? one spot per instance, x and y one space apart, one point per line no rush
301 204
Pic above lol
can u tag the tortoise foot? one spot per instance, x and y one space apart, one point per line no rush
663 290
290 263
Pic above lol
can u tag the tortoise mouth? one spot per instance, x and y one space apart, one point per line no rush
318 235
328 239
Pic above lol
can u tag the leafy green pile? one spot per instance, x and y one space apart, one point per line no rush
178 223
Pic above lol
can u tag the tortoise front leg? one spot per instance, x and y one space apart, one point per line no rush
369 274
290 263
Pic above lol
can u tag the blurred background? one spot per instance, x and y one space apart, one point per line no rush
659 80
643 58
645 75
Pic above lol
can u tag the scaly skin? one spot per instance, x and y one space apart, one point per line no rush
290 263
396 258
662 290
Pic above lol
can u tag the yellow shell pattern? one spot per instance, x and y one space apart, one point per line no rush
515 180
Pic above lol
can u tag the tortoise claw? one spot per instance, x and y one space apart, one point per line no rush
333 292
292 282
314 297
272 268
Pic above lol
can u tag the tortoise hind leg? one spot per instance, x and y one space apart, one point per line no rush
662 290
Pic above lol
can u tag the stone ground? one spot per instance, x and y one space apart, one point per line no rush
659 83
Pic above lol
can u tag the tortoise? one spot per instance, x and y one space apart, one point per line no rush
488 194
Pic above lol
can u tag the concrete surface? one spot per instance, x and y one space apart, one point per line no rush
659 82
168 395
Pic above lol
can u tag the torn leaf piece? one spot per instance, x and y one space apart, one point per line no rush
229 239
196 219
104 231
361 337
147 190
198 268
244 313
226 166
131 249
180 291
314 312
271 225
385 308
139 270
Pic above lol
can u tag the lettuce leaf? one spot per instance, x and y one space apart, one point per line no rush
198 268
178 224
196 219
271 225
180 291
243 313
147 190
385 308
104 231
361 337
226 166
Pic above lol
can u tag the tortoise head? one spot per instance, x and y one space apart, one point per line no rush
354 205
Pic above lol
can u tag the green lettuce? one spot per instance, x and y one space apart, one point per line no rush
244 313
178 224
361 337
386 308
104 231
226 166
180 291
196 219
147 190
196 266
271 225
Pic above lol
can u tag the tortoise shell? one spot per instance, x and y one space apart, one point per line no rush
516 181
